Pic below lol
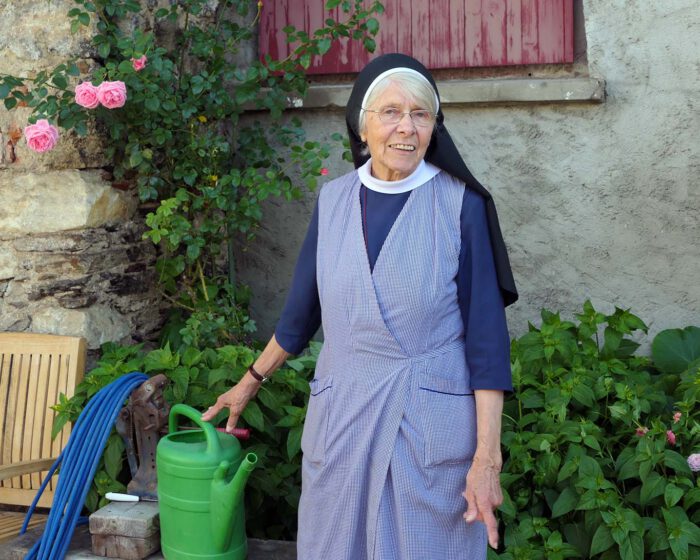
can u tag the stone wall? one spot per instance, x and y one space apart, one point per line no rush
596 200
72 260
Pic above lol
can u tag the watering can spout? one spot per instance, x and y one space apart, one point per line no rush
225 499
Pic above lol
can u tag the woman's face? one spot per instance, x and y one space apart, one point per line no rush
396 149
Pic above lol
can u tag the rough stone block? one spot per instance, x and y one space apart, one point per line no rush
60 201
129 519
8 262
125 548
126 530
98 324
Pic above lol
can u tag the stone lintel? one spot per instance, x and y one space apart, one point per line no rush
461 92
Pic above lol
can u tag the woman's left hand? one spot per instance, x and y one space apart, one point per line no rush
483 495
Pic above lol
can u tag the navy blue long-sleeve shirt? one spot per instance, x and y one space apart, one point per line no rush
480 299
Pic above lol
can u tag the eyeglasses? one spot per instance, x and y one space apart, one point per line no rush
391 115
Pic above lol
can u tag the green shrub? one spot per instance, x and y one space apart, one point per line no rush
596 441
197 377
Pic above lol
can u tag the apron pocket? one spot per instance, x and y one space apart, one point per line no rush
448 419
313 438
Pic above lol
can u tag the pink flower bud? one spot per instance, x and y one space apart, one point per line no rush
139 63
86 95
641 431
677 417
112 95
324 171
671 437
42 136
694 462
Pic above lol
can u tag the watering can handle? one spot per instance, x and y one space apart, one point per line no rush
213 445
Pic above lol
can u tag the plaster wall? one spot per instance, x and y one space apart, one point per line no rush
596 201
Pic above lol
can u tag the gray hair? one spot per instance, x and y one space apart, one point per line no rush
414 85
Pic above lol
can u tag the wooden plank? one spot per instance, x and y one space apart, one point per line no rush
456 34
514 40
494 38
18 428
388 37
437 50
529 17
473 52
568 25
23 467
40 410
31 412
21 497
420 29
404 40
48 449
550 31
11 523
5 363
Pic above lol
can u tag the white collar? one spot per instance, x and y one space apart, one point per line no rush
423 173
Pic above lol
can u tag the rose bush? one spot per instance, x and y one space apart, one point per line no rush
172 104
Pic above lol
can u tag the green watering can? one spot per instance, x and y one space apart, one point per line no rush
201 477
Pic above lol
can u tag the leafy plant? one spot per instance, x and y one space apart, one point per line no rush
197 377
596 447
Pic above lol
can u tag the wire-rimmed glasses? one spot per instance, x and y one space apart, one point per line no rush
391 115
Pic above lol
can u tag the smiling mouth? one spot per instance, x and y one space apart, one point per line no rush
403 147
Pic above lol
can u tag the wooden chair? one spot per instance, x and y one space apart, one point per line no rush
34 370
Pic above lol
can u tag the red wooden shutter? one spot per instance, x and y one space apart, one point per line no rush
439 33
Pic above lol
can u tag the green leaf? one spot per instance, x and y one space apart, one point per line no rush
584 395
254 416
653 486
672 495
152 103
602 540
135 159
632 548
655 535
677 462
372 26
305 60
565 503
104 49
324 46
84 19
674 349
216 375
294 442
10 103
330 4
113 456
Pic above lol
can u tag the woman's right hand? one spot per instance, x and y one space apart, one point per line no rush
235 399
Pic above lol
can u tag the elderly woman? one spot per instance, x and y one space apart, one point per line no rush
405 266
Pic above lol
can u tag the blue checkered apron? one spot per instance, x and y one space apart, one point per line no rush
391 427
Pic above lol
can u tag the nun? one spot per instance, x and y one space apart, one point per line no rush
405 267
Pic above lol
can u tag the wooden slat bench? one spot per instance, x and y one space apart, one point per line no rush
34 370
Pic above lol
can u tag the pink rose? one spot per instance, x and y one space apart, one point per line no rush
671 437
694 462
112 94
86 95
41 136
677 417
139 63
641 431
324 171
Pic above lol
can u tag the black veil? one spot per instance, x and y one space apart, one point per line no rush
441 152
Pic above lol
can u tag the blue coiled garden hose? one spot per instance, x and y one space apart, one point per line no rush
78 462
